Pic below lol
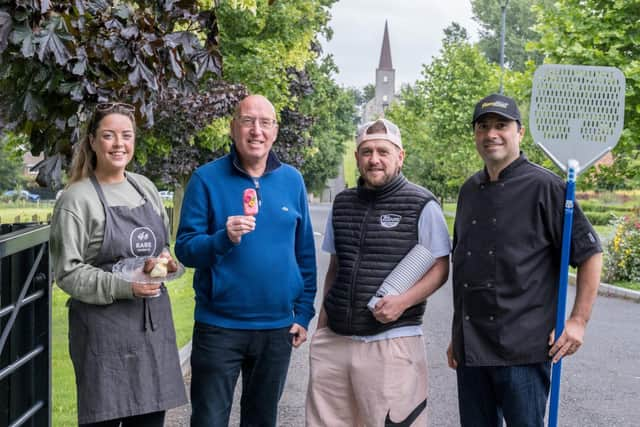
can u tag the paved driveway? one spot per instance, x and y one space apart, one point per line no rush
600 386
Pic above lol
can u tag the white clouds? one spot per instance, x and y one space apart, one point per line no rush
415 34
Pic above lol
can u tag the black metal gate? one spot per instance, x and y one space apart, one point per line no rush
25 326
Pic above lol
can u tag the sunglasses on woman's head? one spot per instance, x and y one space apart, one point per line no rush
109 106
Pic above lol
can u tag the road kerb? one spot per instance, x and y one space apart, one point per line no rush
608 290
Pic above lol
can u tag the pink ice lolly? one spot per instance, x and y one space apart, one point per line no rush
250 201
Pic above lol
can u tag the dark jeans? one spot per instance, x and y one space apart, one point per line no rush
153 419
219 355
518 394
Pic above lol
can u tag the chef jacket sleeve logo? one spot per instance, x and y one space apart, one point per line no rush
142 241
390 220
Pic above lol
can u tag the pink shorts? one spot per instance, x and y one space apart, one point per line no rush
354 383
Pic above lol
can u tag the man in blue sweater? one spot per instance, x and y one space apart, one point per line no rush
255 279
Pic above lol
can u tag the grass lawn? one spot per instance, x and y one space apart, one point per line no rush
349 164
634 286
449 208
449 220
24 212
63 378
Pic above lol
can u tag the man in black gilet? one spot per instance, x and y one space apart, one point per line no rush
369 367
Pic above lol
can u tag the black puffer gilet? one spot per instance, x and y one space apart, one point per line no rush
374 230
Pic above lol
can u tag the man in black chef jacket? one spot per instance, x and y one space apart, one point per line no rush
506 264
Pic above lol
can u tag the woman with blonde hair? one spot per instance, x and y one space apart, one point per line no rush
122 343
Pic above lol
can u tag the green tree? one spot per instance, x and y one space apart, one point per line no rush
519 22
11 162
266 46
594 32
358 96
160 55
455 34
188 132
272 48
263 41
334 118
368 93
57 59
422 164
435 115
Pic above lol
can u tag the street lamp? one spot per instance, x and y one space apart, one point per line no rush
503 8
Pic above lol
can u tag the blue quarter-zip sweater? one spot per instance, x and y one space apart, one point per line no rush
266 281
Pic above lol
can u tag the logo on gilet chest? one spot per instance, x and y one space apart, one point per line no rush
143 241
390 220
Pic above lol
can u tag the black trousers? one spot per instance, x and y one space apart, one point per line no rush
219 355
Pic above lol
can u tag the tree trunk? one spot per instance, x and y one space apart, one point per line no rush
178 197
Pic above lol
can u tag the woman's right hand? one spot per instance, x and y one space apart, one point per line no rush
145 290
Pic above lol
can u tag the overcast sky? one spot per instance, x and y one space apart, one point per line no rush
415 34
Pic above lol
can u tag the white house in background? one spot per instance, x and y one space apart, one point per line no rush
28 161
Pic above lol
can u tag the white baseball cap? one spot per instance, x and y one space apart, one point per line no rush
392 133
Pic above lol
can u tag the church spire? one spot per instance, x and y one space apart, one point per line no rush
385 52
385 82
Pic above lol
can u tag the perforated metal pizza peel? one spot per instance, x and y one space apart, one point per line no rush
577 112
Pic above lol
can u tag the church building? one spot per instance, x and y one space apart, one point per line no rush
385 82
374 109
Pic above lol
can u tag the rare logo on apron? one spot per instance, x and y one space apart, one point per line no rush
390 220
143 241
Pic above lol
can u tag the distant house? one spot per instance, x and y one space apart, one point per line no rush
606 160
28 161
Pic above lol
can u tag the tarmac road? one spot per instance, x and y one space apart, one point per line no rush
600 384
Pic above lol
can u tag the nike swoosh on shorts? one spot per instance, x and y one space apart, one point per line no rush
410 418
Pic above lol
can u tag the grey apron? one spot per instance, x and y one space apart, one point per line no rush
124 354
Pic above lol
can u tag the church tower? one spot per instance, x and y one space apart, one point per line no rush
385 82
385 74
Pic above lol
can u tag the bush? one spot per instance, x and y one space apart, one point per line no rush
593 205
609 197
8 199
623 251
599 218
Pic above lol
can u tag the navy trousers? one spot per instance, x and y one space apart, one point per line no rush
518 394
219 355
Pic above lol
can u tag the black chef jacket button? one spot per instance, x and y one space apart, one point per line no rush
490 252
466 285
466 317
468 253
489 285
490 317
473 221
